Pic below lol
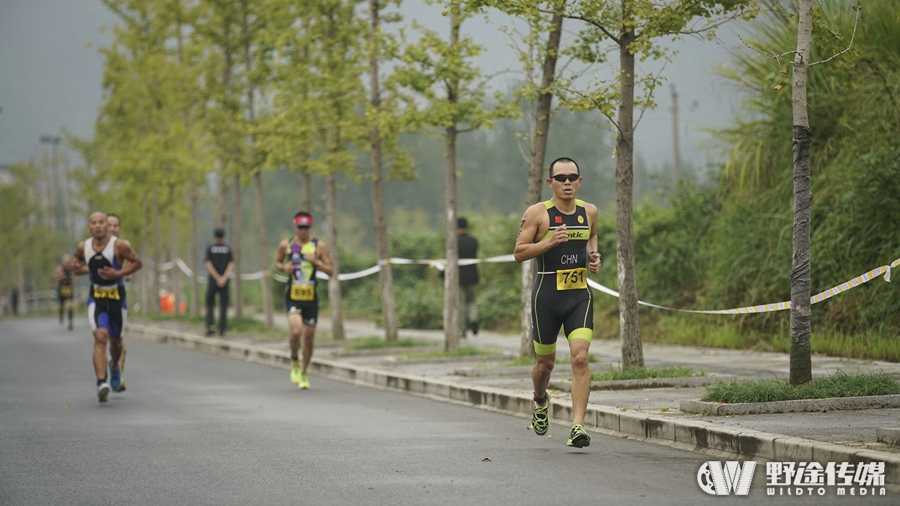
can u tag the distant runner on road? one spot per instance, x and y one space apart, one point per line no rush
65 288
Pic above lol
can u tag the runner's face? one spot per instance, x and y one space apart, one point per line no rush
98 226
113 225
564 188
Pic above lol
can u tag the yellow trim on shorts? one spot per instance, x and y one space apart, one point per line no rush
544 349
585 334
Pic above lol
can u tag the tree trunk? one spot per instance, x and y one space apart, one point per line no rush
451 247
265 282
630 329
156 252
20 283
222 218
676 145
175 276
192 258
146 273
540 134
334 286
801 312
306 202
238 257
263 251
451 270
382 242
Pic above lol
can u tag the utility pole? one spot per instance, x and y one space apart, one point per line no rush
676 149
56 184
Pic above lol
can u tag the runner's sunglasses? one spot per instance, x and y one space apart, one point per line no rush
563 177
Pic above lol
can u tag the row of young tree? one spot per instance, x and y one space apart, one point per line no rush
222 90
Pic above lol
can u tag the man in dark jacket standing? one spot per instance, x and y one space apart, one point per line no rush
468 278
219 263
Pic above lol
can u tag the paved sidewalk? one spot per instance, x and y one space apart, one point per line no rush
652 413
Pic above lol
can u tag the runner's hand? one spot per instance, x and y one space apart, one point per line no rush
109 274
560 235
595 262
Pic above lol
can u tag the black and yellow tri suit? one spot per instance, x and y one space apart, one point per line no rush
561 296
300 293
65 289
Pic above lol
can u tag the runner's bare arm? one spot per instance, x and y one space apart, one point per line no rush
594 261
321 259
79 265
279 259
534 225
123 252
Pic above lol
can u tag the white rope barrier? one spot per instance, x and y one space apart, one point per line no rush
441 264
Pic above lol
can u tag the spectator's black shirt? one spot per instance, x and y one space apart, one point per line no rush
468 248
219 255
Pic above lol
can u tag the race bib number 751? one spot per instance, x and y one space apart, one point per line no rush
571 279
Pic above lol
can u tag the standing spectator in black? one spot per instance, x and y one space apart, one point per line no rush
468 278
219 262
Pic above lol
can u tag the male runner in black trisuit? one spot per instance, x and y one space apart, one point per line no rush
561 234
102 258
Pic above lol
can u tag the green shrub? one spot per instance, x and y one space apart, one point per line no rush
839 384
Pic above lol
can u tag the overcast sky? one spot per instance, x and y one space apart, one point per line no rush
51 72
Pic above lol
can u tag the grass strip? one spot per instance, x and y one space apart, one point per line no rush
376 342
839 384
559 360
630 373
462 351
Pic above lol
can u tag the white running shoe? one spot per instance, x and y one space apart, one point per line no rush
103 391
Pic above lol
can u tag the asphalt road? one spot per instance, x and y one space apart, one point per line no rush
195 429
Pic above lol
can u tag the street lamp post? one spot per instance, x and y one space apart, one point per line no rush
56 183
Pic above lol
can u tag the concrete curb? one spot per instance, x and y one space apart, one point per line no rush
888 436
689 434
637 384
797 406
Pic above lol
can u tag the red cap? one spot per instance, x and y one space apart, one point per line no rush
303 221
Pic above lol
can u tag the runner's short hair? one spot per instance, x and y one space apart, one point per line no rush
563 159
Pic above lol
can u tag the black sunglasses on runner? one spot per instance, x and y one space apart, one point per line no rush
563 177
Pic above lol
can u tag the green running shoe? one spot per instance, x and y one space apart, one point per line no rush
295 372
304 381
540 419
578 437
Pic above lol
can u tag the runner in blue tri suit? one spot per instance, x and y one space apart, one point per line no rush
115 228
301 257
102 257
560 233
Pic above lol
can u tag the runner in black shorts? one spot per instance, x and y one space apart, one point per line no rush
561 234
65 289
302 257
102 257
